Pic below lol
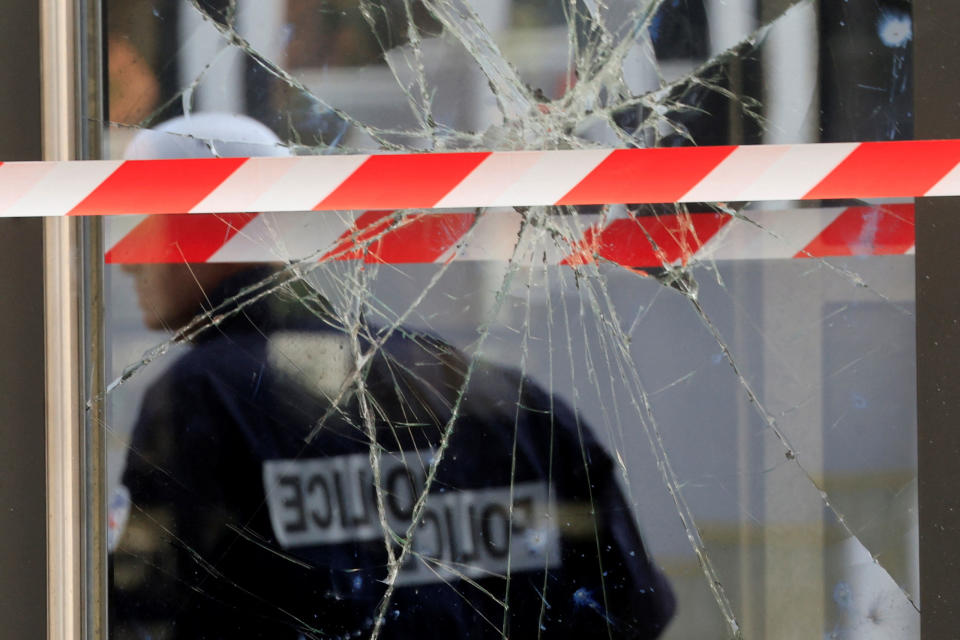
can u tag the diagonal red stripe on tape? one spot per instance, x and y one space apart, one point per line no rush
177 238
889 170
865 231
416 238
649 241
157 186
423 239
646 175
402 181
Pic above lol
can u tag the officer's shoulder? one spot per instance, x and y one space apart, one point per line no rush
220 357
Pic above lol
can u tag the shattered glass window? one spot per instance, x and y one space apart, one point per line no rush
642 420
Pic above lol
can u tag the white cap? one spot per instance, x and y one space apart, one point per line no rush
206 135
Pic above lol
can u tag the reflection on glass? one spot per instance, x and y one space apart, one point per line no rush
613 421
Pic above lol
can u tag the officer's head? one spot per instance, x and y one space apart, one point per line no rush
171 293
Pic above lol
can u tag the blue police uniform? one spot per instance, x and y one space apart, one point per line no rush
256 513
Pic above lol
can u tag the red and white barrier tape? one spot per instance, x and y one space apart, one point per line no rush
636 242
865 170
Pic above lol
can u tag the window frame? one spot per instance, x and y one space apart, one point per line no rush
54 529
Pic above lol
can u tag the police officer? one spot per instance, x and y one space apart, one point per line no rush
292 477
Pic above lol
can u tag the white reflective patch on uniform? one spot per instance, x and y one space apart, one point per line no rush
118 511
474 533
317 362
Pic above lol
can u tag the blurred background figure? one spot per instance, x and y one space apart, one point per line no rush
298 474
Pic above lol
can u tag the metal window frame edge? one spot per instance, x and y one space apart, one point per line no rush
71 87
936 95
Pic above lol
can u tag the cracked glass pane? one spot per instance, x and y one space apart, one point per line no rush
618 420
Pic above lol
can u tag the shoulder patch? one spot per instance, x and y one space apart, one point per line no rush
118 512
